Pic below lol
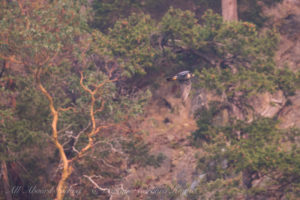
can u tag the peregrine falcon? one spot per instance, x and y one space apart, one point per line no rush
184 79
181 76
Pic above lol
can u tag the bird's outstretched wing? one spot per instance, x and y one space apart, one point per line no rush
181 76
173 78
183 73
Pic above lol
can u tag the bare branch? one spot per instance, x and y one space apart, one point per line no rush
10 58
65 128
77 137
92 115
66 109
96 185
82 85
111 146
101 108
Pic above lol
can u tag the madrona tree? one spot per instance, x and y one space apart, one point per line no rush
58 77
46 44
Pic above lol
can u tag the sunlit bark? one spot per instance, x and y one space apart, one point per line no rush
95 129
67 168
5 180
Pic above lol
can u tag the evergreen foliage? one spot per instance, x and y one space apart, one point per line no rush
243 153
139 152
51 43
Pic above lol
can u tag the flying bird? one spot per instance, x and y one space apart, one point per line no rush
184 79
181 76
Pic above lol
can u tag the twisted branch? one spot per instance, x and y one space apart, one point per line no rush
95 129
67 168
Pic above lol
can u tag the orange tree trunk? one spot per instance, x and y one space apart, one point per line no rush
5 180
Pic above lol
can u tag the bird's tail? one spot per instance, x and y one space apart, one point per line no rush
173 78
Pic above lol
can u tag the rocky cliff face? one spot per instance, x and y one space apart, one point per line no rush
286 16
168 122
166 126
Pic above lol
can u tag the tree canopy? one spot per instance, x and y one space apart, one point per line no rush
62 81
